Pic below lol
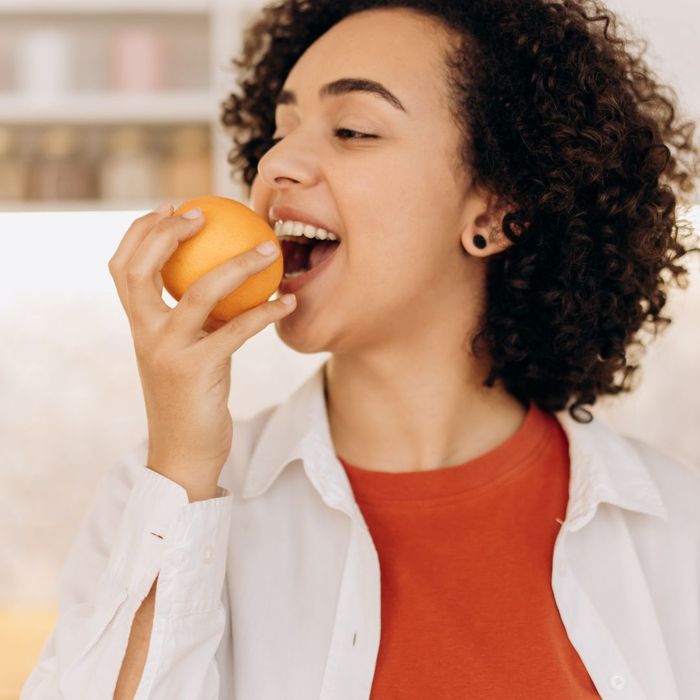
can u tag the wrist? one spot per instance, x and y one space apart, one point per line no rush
200 486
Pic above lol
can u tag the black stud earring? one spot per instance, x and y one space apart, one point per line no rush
479 241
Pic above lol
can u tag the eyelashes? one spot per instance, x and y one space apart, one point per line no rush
355 135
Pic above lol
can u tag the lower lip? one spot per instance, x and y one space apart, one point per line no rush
294 284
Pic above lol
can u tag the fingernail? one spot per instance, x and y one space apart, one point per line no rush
192 213
288 299
164 209
266 248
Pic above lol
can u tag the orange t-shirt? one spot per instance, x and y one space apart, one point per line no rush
465 553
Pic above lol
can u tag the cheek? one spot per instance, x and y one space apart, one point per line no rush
392 263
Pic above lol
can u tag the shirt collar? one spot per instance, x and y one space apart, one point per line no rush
604 466
296 429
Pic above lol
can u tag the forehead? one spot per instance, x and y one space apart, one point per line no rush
396 47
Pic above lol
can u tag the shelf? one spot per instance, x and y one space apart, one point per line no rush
202 44
111 108
28 205
170 7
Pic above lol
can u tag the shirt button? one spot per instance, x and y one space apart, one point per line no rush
177 558
617 681
208 555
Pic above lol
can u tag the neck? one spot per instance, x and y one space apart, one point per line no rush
408 413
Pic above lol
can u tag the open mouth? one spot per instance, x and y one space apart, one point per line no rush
303 254
304 260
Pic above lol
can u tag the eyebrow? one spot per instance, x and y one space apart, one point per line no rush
343 86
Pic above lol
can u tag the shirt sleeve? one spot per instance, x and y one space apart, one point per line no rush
139 525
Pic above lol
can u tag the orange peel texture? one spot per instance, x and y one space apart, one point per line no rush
230 228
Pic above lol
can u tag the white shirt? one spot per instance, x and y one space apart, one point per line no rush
271 591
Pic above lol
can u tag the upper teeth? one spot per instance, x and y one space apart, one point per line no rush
297 228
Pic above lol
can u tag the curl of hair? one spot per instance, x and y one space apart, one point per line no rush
563 121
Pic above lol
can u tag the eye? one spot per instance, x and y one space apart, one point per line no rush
358 134
355 135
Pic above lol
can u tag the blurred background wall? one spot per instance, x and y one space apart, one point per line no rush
107 110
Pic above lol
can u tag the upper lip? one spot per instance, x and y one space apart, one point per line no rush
286 213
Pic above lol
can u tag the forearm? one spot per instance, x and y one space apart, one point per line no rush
137 648
140 635
104 642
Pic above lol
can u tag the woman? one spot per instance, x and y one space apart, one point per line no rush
428 515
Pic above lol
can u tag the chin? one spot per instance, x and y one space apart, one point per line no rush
298 334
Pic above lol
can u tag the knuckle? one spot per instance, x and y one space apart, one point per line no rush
273 311
162 225
248 322
135 275
199 295
236 325
138 223
254 258
237 262
277 311
172 229
171 223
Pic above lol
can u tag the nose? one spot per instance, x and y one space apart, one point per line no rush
287 165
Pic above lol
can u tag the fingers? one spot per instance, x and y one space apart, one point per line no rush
212 324
223 342
135 234
136 265
133 237
143 279
191 313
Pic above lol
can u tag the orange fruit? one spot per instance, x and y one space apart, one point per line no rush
230 228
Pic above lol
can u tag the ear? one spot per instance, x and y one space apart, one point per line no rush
484 216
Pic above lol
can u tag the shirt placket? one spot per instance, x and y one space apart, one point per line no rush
355 640
603 659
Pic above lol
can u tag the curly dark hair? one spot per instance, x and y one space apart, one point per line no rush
559 119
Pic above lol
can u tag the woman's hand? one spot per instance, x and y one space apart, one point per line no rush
183 354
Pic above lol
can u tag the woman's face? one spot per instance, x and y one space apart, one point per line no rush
397 200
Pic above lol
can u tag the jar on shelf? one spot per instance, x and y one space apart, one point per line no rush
186 169
137 60
61 169
44 62
14 169
129 171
